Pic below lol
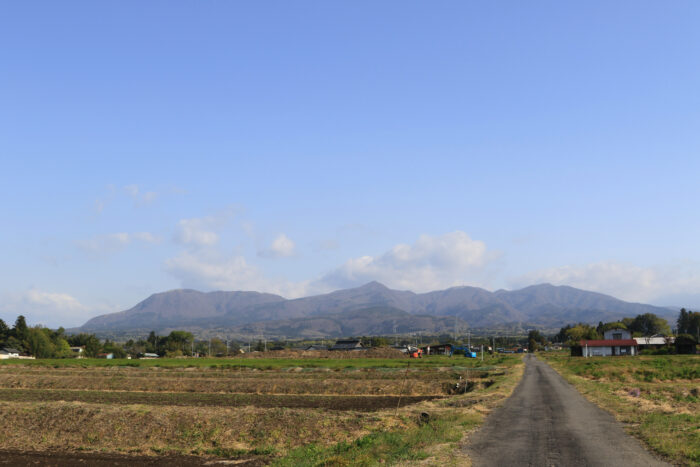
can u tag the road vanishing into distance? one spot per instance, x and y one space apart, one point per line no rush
546 422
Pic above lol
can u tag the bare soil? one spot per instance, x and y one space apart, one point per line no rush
359 403
61 459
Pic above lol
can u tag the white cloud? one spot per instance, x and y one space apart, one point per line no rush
140 197
625 281
282 246
197 232
213 271
51 309
59 301
431 263
109 243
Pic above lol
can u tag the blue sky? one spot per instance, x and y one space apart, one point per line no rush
301 147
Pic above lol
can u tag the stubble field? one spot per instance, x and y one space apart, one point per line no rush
268 410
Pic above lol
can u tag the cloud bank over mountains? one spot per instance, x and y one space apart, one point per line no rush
625 281
210 253
431 263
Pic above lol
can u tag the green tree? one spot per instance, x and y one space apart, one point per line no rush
580 332
259 346
380 341
152 340
535 340
613 325
218 348
179 340
91 343
115 349
649 324
4 331
20 329
689 323
39 343
62 349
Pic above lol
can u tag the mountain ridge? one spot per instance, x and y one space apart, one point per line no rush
541 305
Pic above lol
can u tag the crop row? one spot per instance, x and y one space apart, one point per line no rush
359 403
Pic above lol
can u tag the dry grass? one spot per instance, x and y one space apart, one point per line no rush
242 432
187 430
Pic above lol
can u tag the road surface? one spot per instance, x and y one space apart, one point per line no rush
546 422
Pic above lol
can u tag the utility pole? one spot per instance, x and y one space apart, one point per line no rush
209 354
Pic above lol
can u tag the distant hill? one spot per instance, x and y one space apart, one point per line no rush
370 309
364 322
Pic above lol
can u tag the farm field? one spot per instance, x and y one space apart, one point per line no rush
285 411
657 397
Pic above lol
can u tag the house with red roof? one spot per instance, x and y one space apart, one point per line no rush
615 342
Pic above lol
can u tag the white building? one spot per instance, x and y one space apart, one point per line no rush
6 353
615 342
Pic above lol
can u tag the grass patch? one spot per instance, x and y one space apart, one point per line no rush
410 444
235 363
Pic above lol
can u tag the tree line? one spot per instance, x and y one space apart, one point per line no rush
645 325
689 323
42 342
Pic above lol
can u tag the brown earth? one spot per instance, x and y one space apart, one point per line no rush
62 459
375 352
359 403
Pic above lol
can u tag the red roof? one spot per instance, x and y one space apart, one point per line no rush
609 343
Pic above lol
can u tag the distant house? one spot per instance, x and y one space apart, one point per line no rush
615 342
78 352
439 349
106 355
350 344
150 355
7 352
316 347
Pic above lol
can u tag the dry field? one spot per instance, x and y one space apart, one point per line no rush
260 410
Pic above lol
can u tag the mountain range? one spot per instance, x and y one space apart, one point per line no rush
372 309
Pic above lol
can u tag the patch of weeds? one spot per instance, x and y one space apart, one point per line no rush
227 453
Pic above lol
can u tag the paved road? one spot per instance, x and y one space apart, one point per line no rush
546 422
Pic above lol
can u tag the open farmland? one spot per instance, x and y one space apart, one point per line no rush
657 397
263 410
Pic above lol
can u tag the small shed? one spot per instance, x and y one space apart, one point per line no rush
348 344
653 342
607 347
316 347
7 352
438 349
